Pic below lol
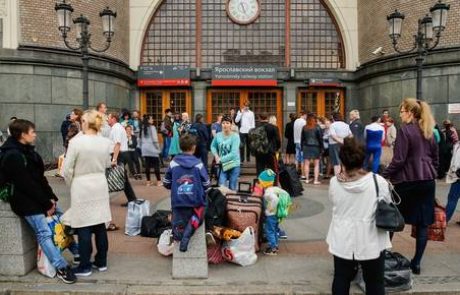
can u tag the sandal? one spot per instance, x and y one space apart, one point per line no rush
112 227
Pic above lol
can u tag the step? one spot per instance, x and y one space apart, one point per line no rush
192 264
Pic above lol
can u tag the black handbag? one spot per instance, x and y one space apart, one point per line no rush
387 215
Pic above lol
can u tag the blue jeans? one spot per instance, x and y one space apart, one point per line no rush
86 245
231 176
44 237
271 230
166 145
376 153
452 199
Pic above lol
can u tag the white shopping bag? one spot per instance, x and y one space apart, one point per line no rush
44 266
241 251
136 210
165 243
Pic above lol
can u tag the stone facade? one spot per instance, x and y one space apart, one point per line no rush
44 86
38 24
373 26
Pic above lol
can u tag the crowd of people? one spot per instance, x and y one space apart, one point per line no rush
411 158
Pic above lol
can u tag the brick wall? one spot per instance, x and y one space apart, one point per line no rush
373 28
39 24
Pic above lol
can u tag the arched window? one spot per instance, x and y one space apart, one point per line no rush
308 31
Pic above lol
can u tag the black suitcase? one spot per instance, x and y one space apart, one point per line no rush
289 180
153 226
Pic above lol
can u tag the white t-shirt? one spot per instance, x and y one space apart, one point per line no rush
118 135
339 129
247 120
298 126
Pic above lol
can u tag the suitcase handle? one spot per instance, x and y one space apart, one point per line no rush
244 187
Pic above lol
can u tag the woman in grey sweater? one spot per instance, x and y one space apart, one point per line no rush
150 148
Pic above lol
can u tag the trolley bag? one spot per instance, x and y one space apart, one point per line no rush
289 179
244 211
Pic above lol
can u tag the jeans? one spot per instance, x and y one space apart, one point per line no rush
271 230
298 153
376 153
152 162
345 271
231 176
452 199
128 190
166 145
86 245
44 237
244 138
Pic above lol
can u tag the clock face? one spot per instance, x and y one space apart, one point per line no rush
243 12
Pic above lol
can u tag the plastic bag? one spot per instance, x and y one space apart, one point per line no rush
166 243
397 275
241 251
136 210
44 266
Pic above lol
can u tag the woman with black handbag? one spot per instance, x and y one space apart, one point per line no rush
413 171
353 236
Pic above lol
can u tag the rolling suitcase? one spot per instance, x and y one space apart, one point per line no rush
244 210
289 180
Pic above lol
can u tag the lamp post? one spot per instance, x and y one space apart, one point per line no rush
64 14
423 40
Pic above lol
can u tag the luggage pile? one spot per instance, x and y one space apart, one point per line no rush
233 224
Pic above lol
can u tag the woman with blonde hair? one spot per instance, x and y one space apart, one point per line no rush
88 157
413 170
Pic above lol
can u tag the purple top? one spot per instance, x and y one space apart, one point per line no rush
415 158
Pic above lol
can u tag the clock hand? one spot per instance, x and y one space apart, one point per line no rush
242 7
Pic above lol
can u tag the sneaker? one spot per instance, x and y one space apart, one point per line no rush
99 268
210 241
303 178
66 275
76 259
271 251
282 235
80 272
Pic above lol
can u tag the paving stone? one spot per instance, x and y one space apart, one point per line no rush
192 264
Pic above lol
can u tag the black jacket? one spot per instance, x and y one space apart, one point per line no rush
25 170
273 136
357 129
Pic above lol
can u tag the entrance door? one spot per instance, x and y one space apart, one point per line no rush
155 102
268 101
321 101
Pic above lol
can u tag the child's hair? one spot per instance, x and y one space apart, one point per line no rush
187 142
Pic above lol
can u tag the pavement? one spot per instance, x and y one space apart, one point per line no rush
303 265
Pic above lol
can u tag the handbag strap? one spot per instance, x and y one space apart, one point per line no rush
376 184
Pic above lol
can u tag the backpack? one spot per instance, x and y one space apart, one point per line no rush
284 204
6 188
258 141
216 208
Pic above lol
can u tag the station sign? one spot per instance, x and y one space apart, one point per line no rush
244 75
149 76
325 82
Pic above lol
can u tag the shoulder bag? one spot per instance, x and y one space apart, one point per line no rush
387 215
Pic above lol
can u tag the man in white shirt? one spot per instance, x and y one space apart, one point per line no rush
338 131
120 152
102 109
247 120
298 126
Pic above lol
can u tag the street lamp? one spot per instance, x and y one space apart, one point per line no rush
64 15
427 27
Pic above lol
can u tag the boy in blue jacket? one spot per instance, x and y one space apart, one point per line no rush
188 180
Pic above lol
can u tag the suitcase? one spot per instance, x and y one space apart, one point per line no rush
243 210
289 180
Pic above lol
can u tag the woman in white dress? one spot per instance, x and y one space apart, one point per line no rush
87 159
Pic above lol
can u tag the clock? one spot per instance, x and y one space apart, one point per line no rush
243 12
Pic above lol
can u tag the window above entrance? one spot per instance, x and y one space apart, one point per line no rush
286 33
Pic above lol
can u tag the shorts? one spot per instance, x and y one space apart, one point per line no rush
334 154
298 153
